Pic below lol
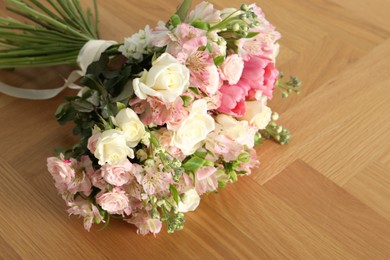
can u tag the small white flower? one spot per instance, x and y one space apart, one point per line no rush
138 44
189 201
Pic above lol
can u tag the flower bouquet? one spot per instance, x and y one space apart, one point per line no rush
172 113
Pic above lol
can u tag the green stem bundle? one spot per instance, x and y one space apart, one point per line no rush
56 32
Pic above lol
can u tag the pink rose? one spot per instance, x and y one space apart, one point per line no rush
114 202
117 175
62 172
98 181
70 175
231 69
261 75
92 141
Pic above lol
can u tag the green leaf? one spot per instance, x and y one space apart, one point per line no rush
183 9
201 154
67 116
174 192
186 100
195 90
193 164
120 106
82 106
92 82
126 94
60 109
219 60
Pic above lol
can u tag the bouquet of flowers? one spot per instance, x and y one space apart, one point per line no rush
172 113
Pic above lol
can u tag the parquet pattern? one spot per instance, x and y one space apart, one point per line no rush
326 195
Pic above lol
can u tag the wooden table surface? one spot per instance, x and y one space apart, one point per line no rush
326 195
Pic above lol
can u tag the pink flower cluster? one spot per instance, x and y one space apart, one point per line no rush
190 126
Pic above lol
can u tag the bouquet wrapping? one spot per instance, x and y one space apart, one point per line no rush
172 113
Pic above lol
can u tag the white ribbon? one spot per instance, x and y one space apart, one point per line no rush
90 52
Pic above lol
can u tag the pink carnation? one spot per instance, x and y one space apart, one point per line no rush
233 99
117 175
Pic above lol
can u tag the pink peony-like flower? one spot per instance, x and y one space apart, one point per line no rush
231 69
117 175
260 75
62 171
71 176
114 202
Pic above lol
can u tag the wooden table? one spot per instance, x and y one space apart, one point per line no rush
326 195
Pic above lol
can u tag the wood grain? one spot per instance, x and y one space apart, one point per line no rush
325 196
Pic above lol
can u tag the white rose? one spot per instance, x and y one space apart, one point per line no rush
239 131
129 122
167 79
112 148
189 201
194 129
257 113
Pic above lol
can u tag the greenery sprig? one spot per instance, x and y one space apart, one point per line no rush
54 34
